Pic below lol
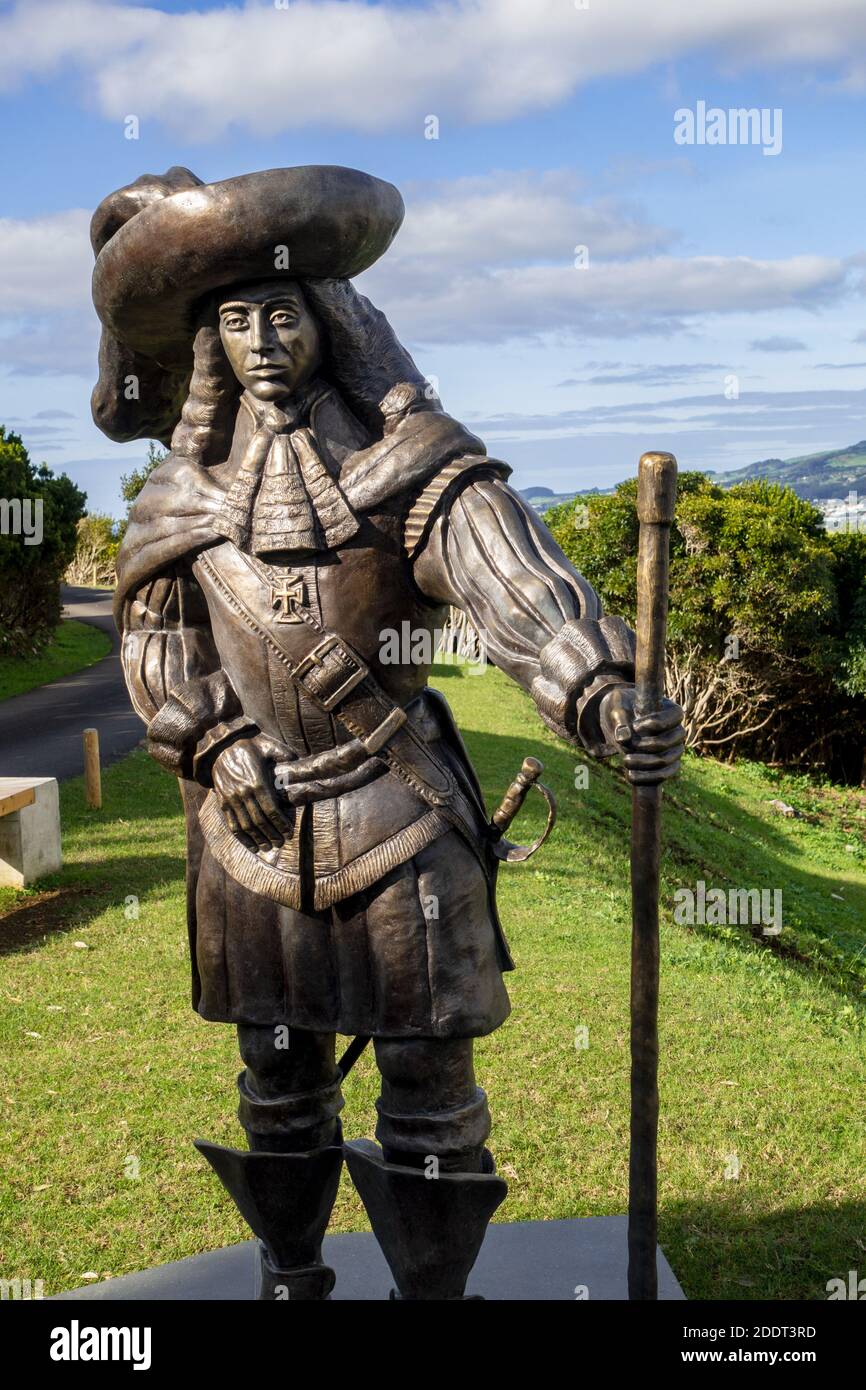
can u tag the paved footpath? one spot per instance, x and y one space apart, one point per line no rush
40 731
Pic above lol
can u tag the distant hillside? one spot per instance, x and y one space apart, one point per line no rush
813 476
543 498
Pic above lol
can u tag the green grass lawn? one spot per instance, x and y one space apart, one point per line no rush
108 1075
74 646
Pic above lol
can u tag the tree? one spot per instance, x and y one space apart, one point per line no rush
95 552
31 568
99 535
132 483
849 557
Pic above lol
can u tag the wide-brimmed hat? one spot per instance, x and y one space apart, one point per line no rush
166 241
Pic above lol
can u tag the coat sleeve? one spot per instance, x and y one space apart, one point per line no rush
175 680
487 552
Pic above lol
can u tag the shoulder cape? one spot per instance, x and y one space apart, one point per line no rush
172 515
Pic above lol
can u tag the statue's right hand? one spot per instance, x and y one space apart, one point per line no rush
244 789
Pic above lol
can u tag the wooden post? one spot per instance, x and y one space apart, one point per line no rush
92 774
657 490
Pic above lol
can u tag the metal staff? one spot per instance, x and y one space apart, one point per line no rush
657 485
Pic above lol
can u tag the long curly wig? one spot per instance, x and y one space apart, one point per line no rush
362 358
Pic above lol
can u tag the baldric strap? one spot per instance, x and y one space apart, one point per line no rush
338 680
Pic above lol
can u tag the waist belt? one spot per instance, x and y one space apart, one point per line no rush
339 681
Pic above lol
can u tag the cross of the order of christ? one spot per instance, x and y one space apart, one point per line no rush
287 591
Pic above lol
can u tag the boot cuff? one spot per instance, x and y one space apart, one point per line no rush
444 1132
301 1112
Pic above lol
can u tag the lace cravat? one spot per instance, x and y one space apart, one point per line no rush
284 497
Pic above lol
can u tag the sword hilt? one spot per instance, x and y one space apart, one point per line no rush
514 798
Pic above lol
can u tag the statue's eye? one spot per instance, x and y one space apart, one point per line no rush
281 317
235 321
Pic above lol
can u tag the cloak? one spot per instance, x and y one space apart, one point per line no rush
173 515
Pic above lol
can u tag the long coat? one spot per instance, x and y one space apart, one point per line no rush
378 914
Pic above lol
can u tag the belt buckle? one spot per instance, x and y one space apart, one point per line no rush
316 658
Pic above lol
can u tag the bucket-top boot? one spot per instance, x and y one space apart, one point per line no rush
430 1228
286 1199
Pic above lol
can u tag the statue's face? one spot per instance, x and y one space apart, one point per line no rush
270 338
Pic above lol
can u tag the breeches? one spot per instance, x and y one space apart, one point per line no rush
429 1107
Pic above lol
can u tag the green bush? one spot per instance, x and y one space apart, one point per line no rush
849 559
767 629
30 574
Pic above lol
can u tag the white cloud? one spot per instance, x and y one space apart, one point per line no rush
349 64
57 344
505 218
47 324
491 258
612 298
831 414
45 262
778 342
479 260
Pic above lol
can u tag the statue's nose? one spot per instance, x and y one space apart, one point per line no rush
258 337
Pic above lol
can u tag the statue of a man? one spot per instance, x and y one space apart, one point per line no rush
341 869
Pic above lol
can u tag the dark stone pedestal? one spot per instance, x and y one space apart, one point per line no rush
519 1261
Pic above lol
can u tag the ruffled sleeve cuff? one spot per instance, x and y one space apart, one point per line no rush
197 721
578 666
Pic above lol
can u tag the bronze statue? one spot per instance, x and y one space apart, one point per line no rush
341 864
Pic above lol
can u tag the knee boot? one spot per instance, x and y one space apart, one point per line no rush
286 1186
286 1199
430 1228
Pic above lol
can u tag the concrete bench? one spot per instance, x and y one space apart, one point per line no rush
29 829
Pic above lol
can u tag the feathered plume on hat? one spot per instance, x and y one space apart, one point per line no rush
166 241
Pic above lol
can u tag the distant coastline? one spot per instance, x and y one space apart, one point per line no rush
834 481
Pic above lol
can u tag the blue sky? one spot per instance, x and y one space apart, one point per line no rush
707 264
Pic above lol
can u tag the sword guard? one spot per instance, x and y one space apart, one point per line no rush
510 805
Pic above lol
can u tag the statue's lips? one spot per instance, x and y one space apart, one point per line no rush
269 370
